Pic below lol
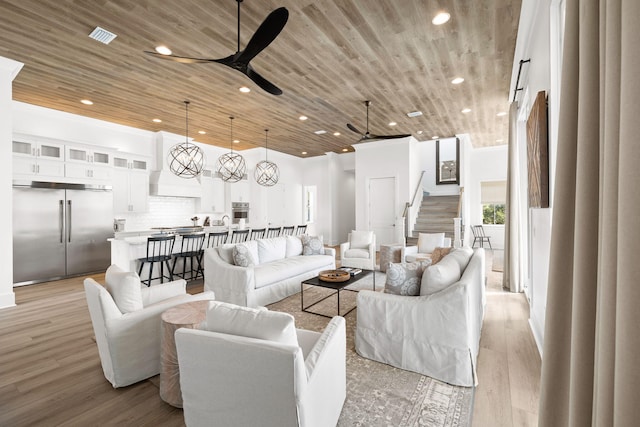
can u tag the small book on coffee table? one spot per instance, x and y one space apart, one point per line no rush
351 270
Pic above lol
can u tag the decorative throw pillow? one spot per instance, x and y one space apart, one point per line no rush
360 239
226 252
251 322
438 254
405 278
294 246
427 242
312 245
440 276
242 255
124 287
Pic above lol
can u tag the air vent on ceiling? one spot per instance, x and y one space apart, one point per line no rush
102 35
414 114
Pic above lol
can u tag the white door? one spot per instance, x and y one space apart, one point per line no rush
382 209
276 205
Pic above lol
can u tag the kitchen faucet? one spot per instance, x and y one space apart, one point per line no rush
223 217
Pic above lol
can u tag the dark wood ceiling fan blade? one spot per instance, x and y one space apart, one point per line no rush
264 35
265 84
372 136
353 129
181 59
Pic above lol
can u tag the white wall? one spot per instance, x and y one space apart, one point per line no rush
9 69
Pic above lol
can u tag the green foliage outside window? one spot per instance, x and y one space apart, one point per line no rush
493 214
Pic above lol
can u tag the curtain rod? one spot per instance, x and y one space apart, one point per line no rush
515 92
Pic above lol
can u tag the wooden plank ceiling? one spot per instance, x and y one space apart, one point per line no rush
331 56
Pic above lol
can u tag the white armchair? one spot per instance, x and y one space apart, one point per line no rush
427 242
128 332
359 251
251 378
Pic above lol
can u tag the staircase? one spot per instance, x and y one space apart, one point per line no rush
436 215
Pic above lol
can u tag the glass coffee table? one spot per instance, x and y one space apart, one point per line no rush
337 286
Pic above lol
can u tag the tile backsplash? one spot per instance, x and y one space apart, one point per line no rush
164 212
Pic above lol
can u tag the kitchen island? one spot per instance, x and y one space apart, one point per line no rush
129 246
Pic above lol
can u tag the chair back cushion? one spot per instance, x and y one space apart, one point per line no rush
251 322
427 242
405 278
356 253
294 246
124 287
360 239
440 276
272 249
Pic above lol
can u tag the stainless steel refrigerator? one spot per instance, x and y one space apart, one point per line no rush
60 230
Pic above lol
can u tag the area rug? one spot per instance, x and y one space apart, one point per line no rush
379 394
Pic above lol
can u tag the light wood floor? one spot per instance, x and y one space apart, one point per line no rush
50 372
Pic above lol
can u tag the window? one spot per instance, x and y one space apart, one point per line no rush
493 214
310 203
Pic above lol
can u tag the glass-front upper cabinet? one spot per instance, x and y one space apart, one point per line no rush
44 150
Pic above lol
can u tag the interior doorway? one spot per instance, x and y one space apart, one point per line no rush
382 209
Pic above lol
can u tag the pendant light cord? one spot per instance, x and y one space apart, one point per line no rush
186 107
231 140
266 150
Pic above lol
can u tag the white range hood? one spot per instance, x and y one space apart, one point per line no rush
163 182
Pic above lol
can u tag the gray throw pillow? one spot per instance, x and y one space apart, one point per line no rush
405 278
242 256
312 245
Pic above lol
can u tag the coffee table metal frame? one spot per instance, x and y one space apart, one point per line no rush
337 286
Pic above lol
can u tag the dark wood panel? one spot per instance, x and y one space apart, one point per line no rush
330 57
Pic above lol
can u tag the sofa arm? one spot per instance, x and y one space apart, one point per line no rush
230 283
329 350
330 251
343 248
163 291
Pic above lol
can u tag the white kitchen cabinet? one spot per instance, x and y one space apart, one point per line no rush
239 191
130 184
92 163
38 158
212 199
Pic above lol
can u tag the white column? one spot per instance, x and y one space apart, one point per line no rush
457 243
9 69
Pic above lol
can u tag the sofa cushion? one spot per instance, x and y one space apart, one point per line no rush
462 256
356 253
360 239
246 254
312 245
405 278
294 246
438 254
226 252
271 249
277 271
427 242
440 276
251 322
124 287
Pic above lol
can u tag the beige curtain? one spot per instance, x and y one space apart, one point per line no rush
512 223
591 361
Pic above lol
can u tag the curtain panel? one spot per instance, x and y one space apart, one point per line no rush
590 370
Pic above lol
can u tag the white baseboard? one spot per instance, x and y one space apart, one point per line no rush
537 336
8 300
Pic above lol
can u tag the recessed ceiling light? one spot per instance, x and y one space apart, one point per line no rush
236 141
320 132
345 149
392 123
163 50
419 132
201 132
435 137
244 89
156 121
304 152
336 134
414 114
457 80
466 110
86 102
303 118
440 18
501 113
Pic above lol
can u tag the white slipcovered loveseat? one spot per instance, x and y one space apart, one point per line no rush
436 333
264 271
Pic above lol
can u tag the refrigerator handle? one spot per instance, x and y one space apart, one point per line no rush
69 219
61 216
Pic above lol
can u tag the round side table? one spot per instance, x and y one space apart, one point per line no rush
188 315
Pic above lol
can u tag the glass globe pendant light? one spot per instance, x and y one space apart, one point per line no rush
266 172
186 160
231 166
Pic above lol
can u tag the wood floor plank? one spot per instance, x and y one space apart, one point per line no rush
524 370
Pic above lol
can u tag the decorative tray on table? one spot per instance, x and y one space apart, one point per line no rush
334 276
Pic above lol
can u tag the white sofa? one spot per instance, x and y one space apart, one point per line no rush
251 367
128 336
435 334
277 271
